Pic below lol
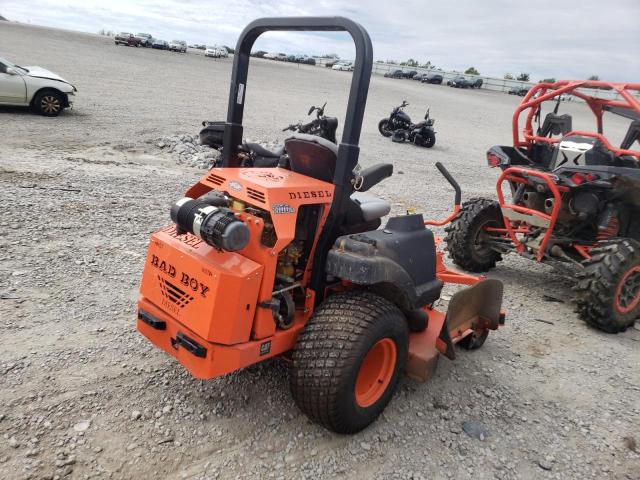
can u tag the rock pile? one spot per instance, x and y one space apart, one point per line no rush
187 150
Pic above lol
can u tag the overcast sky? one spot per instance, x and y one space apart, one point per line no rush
548 38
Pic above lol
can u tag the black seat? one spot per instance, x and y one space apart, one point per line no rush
555 124
633 134
263 152
316 157
312 156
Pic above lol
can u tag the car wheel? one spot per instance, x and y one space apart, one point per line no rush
49 103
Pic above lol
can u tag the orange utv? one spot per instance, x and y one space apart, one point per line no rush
290 262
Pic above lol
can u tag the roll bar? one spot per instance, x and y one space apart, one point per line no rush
348 149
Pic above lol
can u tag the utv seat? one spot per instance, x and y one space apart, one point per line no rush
316 157
555 124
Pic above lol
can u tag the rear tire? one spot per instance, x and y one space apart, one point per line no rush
608 289
465 235
49 103
383 128
348 360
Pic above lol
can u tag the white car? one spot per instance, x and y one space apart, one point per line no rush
343 66
270 56
178 46
34 87
216 52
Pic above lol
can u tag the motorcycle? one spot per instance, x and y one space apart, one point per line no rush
255 155
321 126
400 128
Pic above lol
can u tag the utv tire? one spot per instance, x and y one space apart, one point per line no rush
49 103
383 127
608 289
464 235
348 360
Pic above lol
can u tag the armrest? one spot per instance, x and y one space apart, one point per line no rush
371 176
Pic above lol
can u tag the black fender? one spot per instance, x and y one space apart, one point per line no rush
397 262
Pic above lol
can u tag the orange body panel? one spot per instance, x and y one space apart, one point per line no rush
219 359
212 293
281 192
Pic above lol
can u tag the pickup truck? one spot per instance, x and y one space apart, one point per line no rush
129 39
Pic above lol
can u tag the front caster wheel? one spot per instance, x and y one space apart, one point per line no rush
348 360
474 340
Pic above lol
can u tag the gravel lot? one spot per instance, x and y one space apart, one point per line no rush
83 395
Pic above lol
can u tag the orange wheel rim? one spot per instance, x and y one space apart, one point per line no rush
376 371
628 291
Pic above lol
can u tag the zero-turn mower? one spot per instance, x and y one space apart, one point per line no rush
575 200
289 262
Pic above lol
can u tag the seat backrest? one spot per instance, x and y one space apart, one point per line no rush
312 156
632 135
555 124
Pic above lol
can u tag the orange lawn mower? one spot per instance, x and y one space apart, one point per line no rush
290 263
575 200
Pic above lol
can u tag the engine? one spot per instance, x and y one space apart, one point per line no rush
583 213
213 218
208 219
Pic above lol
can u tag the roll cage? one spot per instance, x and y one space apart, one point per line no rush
627 106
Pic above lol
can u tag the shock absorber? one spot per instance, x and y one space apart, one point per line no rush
608 226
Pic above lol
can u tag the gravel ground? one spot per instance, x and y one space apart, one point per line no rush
83 395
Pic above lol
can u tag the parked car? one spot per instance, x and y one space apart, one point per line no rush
146 40
216 52
419 76
394 74
178 46
160 44
343 66
520 91
435 78
409 74
212 52
129 39
459 82
270 55
281 56
310 61
331 63
34 87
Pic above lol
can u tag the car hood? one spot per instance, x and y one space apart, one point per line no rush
40 72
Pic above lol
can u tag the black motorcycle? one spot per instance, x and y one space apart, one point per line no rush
255 155
399 127
321 126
